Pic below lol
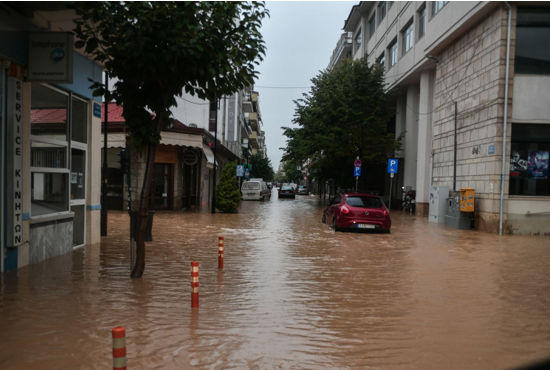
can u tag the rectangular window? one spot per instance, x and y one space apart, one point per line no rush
529 160
408 37
59 132
357 41
381 11
49 193
532 35
382 60
392 54
372 25
421 22
437 6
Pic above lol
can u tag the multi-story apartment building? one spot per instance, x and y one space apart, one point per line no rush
471 83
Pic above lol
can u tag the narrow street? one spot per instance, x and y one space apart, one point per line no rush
294 294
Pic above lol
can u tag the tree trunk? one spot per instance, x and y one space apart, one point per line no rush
141 226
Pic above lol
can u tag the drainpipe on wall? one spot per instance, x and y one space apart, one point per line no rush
504 134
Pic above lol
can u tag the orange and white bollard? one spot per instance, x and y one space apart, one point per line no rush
119 348
220 253
194 284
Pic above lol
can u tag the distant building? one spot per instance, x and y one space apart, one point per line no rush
439 55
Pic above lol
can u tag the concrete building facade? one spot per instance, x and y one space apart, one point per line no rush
446 63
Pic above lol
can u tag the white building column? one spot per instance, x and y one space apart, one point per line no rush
424 142
93 172
411 136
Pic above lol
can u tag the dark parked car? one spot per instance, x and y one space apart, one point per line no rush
287 192
357 211
302 190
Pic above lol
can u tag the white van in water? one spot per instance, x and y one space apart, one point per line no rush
255 189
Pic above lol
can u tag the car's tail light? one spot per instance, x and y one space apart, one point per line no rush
345 209
386 212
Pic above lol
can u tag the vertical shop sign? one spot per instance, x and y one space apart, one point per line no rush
14 119
231 119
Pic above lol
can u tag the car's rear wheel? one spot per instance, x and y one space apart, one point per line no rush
324 219
334 224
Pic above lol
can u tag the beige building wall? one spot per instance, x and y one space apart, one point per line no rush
471 72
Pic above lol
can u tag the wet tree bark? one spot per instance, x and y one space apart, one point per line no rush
141 226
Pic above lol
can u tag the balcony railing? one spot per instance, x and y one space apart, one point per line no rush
346 41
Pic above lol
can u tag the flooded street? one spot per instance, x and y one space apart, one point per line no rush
294 294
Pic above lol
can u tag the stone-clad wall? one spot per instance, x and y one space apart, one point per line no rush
471 71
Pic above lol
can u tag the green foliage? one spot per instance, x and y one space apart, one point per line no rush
228 196
291 172
261 167
157 50
345 115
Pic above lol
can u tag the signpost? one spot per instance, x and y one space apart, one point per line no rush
240 170
357 172
393 164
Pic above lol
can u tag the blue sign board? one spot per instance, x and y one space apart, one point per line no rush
491 149
240 170
357 172
246 173
392 165
97 110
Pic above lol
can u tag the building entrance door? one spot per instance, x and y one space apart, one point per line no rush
162 187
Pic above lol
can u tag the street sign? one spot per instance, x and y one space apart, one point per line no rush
392 165
246 173
240 170
357 163
357 172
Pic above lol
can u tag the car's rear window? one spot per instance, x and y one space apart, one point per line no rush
364 202
287 188
251 186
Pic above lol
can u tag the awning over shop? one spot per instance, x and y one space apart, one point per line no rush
209 156
168 138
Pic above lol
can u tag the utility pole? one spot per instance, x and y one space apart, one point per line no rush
215 152
105 168
454 167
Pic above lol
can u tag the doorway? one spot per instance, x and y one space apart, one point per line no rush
162 191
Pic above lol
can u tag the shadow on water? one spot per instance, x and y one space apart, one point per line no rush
294 294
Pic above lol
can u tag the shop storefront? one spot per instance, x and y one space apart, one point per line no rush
50 144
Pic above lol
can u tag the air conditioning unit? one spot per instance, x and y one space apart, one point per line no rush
193 125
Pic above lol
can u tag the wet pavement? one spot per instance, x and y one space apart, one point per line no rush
294 294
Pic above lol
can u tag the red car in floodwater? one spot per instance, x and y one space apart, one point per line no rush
357 211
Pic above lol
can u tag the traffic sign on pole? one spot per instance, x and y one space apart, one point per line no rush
357 163
357 172
393 164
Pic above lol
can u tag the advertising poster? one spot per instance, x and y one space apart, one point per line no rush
529 164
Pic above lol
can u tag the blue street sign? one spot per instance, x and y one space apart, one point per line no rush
246 173
97 110
392 165
240 170
357 172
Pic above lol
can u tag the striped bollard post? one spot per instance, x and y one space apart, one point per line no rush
119 348
194 284
220 253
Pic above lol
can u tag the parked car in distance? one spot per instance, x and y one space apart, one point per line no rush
255 189
302 190
357 211
287 192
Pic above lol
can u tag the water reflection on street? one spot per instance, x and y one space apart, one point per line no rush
294 294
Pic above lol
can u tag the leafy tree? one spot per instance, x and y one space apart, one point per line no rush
157 50
345 115
261 167
292 174
228 196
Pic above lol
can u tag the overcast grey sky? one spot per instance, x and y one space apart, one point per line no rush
300 38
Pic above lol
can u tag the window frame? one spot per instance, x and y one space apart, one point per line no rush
393 58
372 25
382 9
68 145
382 58
407 37
357 40
422 21
437 6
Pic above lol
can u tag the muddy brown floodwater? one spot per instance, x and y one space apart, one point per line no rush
294 295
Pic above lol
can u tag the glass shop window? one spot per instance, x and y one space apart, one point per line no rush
529 160
532 35
49 193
